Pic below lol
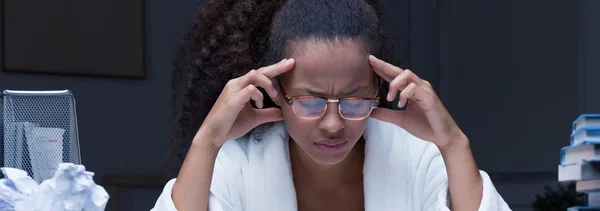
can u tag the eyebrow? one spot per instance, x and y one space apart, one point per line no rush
318 93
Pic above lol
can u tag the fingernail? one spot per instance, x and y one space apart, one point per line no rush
289 61
281 61
389 96
399 102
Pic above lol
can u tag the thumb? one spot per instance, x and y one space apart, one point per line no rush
386 114
268 115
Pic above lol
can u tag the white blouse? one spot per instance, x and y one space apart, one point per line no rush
401 172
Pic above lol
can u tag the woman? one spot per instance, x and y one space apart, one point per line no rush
303 131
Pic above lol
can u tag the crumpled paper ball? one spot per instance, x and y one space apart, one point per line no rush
70 189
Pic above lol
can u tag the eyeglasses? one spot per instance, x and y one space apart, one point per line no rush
314 107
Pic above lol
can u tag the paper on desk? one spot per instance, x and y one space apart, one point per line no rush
15 189
71 189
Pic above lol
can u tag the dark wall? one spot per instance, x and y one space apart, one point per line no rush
512 85
589 56
517 80
124 124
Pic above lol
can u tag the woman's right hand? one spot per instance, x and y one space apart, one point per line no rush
232 116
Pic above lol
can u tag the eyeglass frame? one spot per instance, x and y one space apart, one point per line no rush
290 100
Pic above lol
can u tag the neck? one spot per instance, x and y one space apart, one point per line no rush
308 173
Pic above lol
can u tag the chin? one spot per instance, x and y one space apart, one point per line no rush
329 160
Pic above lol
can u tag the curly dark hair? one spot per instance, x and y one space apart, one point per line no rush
227 38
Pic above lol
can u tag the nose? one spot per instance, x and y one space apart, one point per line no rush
332 121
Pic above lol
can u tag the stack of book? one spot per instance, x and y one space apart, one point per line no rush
580 161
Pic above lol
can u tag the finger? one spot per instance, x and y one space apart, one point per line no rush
399 83
424 100
436 114
251 92
268 115
405 94
388 115
427 86
426 83
277 69
385 77
413 77
256 78
266 83
385 69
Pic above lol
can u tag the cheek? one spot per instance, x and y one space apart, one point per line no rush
355 128
299 129
303 131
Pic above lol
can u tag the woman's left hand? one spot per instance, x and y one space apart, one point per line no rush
425 116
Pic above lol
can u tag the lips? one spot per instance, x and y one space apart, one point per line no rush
330 142
330 145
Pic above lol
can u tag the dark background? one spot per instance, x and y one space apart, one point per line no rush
514 74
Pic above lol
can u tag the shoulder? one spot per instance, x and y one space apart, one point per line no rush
389 142
236 153
232 153
397 139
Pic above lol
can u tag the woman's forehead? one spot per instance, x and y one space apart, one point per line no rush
321 62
